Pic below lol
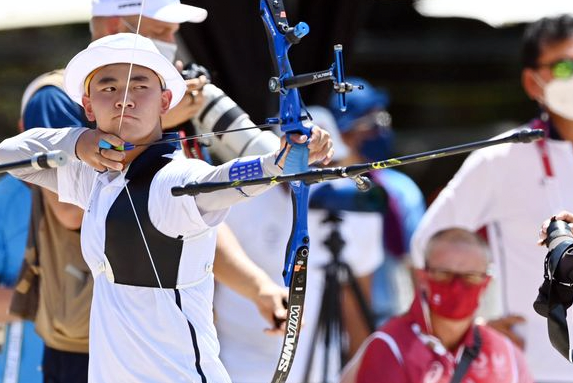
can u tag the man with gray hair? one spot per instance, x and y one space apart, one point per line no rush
437 339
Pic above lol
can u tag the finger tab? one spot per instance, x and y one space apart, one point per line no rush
103 144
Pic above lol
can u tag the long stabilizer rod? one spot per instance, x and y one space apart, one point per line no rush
325 174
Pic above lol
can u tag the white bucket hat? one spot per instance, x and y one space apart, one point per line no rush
121 48
170 11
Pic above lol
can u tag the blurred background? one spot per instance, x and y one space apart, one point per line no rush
450 79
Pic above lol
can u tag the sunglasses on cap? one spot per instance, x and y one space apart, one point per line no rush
560 69
447 276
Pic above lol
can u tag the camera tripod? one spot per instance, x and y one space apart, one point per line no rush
330 326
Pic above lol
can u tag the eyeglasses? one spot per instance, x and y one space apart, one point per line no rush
447 276
560 69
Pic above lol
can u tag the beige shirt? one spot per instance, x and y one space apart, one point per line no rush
66 284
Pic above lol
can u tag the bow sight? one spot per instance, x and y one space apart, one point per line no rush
334 73
274 16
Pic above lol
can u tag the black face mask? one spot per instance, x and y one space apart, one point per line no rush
378 147
379 143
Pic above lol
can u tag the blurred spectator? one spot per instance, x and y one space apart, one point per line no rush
366 130
437 340
55 285
510 188
21 352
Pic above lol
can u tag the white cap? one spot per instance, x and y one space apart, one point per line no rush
323 118
121 48
170 11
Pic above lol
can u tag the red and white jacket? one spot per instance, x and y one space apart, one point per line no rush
402 351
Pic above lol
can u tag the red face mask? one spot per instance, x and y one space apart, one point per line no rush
455 299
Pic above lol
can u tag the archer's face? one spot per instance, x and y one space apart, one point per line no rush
141 108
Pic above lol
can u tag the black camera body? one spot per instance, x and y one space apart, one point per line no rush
193 70
556 293
558 271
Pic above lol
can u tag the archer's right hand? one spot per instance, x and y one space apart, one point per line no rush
88 150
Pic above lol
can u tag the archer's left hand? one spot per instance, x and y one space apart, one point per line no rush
319 145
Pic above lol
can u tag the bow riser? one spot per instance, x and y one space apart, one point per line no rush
281 37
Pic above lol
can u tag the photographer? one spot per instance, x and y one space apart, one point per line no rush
366 128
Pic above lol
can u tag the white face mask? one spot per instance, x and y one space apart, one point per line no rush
558 97
166 49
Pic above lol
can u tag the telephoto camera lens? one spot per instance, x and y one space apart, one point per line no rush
557 232
556 293
221 114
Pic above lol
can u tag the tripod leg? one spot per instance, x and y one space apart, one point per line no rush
358 294
356 311
319 330
326 332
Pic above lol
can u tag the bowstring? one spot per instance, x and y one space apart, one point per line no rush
140 16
